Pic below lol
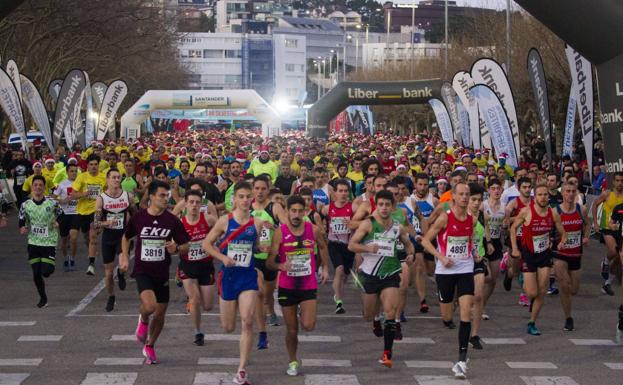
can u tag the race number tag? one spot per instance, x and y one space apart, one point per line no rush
574 239
386 245
338 226
20 179
93 191
520 231
495 227
416 225
265 236
152 250
196 252
300 263
457 247
241 253
540 242
39 231
116 220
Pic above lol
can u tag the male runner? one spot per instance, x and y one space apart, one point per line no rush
38 218
158 235
494 218
510 213
537 221
294 242
62 194
376 239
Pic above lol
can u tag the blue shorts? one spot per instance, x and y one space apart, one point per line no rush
233 281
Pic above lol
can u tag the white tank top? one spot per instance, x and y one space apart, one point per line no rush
495 219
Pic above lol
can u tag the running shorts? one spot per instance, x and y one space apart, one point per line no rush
447 284
293 297
341 256
158 286
202 271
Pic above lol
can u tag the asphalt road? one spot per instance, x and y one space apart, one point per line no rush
74 341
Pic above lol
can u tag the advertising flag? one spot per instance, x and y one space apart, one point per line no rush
539 88
462 82
54 88
90 120
567 142
34 103
13 71
98 90
443 120
110 104
448 95
70 94
10 103
464 122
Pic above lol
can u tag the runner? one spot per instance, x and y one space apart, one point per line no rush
62 194
454 270
159 234
112 213
510 213
237 233
380 270
537 221
294 241
196 267
568 261
494 218
38 218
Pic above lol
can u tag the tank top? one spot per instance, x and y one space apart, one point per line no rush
572 223
336 219
385 261
520 205
240 249
197 233
495 219
321 195
129 184
536 234
266 235
115 209
609 204
477 239
455 243
300 251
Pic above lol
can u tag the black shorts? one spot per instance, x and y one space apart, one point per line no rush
260 265
417 246
573 264
109 251
293 297
82 222
448 283
202 271
65 223
533 262
498 250
341 256
375 285
43 255
481 267
158 286
402 253
430 257
614 234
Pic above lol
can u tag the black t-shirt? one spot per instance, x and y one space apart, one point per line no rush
284 183
23 168
555 199
213 194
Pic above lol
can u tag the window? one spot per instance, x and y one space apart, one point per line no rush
302 67
233 53
291 43
289 67
212 53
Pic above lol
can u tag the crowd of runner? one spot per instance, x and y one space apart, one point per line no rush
246 217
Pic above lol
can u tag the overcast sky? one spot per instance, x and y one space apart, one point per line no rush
497 4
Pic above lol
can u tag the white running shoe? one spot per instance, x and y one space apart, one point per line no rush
293 369
460 370
619 336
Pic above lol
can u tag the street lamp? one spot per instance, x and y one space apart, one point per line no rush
324 75
317 64
349 37
331 66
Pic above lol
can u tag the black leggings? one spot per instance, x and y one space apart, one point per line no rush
42 260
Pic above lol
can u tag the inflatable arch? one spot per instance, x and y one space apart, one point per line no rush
367 93
194 99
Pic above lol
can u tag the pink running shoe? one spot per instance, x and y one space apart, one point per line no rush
504 263
141 331
523 300
241 378
150 355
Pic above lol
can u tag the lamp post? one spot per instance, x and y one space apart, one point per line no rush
324 75
349 38
412 33
318 92
331 66
445 60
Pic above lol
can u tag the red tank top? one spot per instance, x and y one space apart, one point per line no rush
572 223
520 205
455 241
536 234
372 204
197 233
338 231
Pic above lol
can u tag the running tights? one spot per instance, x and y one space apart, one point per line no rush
465 328
37 276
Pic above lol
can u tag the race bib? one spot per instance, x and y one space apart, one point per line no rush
265 236
495 227
39 231
20 179
152 250
93 191
540 242
457 247
386 245
116 220
196 252
416 225
574 239
241 253
338 226
520 231
300 263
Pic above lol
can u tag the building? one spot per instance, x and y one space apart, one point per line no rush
290 68
348 21
321 35
227 10
382 54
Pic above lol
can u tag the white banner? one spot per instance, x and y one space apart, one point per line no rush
98 90
489 72
496 119
90 124
443 120
34 103
485 137
110 104
582 82
13 71
448 95
71 93
10 103
462 82
567 143
77 127
463 122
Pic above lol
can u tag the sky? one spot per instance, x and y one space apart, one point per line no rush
495 4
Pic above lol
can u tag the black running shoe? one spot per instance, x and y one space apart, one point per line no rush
449 324
508 282
43 302
568 325
377 329
398 332
475 342
110 304
121 280
607 289
198 339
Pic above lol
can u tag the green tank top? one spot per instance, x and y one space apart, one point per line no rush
129 184
385 262
479 234
399 217
266 235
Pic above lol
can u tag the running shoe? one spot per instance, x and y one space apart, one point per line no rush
43 302
66 267
386 359
533 330
607 289
449 324
605 269
262 342
485 317
110 304
241 378
508 282
568 325
141 331
91 270
150 355
475 342
398 332
523 300
402 317
339 305
72 265
273 320
424 306
460 370
377 329
293 369
199 339
121 280
552 290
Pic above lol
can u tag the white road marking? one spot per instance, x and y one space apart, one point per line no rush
309 362
311 338
504 341
123 337
217 378
591 342
118 361
42 338
17 323
543 380
614 365
114 378
531 365
330 316
429 364
13 378
218 361
416 340
20 361
236 337
87 299
331 379
222 337
439 380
